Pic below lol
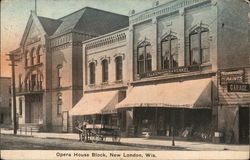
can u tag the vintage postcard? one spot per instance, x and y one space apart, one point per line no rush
124 79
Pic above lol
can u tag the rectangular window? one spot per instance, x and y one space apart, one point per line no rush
174 53
195 54
141 59
148 59
165 54
92 72
199 46
169 49
205 47
144 58
20 107
118 61
105 70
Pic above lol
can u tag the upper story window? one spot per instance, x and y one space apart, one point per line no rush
26 58
20 82
199 46
38 54
144 59
33 81
169 51
59 75
92 73
118 68
105 70
32 56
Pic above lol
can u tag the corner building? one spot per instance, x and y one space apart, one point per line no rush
49 77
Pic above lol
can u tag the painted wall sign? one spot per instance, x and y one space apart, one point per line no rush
227 77
170 71
238 87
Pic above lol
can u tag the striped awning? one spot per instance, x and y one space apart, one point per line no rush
96 103
192 94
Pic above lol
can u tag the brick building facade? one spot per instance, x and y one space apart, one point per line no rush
49 77
159 71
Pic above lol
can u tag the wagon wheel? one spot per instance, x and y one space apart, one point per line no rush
94 138
116 136
103 138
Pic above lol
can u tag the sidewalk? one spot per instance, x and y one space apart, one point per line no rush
150 143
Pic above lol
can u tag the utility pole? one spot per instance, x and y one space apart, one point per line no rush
13 59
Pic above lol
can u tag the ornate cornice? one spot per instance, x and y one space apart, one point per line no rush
107 40
163 9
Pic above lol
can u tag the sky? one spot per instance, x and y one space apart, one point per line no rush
15 15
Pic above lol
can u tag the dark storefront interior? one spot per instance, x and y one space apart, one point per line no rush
187 123
244 125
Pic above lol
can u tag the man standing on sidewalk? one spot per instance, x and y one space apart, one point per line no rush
79 127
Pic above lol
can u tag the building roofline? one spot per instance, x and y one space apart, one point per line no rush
90 8
105 35
47 18
165 3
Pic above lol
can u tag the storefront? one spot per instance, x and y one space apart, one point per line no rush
234 103
156 108
98 108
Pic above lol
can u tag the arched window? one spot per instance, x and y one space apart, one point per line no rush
118 68
38 54
199 46
26 58
32 56
144 58
20 82
169 52
105 70
92 73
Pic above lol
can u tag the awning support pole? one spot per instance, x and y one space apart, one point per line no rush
101 120
172 127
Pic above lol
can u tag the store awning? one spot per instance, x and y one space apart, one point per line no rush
187 94
96 103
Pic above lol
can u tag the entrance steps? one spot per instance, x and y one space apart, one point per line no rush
29 127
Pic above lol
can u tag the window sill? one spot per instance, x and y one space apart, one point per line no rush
118 81
35 65
91 85
206 64
104 83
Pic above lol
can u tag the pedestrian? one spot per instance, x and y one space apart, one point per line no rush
85 133
79 127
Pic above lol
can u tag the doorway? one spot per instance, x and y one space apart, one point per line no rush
244 125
